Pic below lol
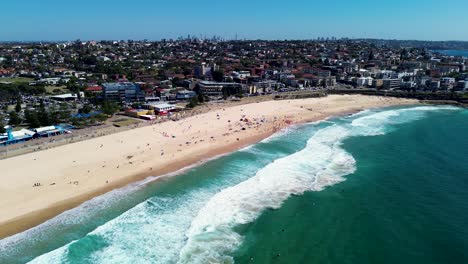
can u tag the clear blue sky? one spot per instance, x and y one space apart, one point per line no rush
252 19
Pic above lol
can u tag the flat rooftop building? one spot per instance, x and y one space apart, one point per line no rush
123 91
67 97
220 88
160 107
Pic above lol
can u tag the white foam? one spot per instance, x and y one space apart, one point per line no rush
321 163
198 226
84 211
211 237
151 232
377 123
138 234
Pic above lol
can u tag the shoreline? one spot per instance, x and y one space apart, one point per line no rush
35 218
201 154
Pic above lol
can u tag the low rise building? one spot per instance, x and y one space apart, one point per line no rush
462 85
185 95
364 81
67 97
268 86
160 108
390 84
434 84
220 88
377 83
124 91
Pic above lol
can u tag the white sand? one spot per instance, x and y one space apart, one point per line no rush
72 173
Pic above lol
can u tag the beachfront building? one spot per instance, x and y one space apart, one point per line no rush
462 85
12 137
447 83
220 88
364 81
152 99
185 95
67 97
123 91
323 81
268 86
49 131
160 108
391 84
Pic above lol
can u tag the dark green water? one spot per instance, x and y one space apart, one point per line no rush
407 202
383 186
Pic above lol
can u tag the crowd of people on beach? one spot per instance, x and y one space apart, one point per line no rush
215 127
194 134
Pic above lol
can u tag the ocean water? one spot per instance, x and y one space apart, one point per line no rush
463 53
380 186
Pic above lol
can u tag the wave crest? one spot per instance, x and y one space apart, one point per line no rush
322 163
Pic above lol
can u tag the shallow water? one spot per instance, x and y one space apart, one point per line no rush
272 199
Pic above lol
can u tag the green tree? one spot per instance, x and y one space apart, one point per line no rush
371 55
15 119
201 97
18 105
101 117
109 108
54 117
32 119
44 118
2 127
193 102
43 115
225 93
64 112
218 75
74 87
76 122
86 109
136 105
92 120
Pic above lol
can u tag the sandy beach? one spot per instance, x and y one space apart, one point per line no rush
38 186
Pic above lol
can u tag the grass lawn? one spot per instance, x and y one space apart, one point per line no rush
50 89
10 108
124 122
16 79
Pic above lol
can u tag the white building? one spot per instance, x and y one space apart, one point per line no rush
364 81
160 107
67 97
241 74
447 80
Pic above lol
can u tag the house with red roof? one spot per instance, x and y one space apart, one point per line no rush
94 89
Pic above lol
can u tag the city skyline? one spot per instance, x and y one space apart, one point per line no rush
53 20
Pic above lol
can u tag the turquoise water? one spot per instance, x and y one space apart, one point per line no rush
380 186
463 53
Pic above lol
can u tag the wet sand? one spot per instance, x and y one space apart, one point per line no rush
68 175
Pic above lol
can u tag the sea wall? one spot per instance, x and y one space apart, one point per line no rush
300 95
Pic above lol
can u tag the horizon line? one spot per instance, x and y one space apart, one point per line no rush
221 39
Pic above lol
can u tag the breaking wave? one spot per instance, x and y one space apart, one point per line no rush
198 225
323 162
